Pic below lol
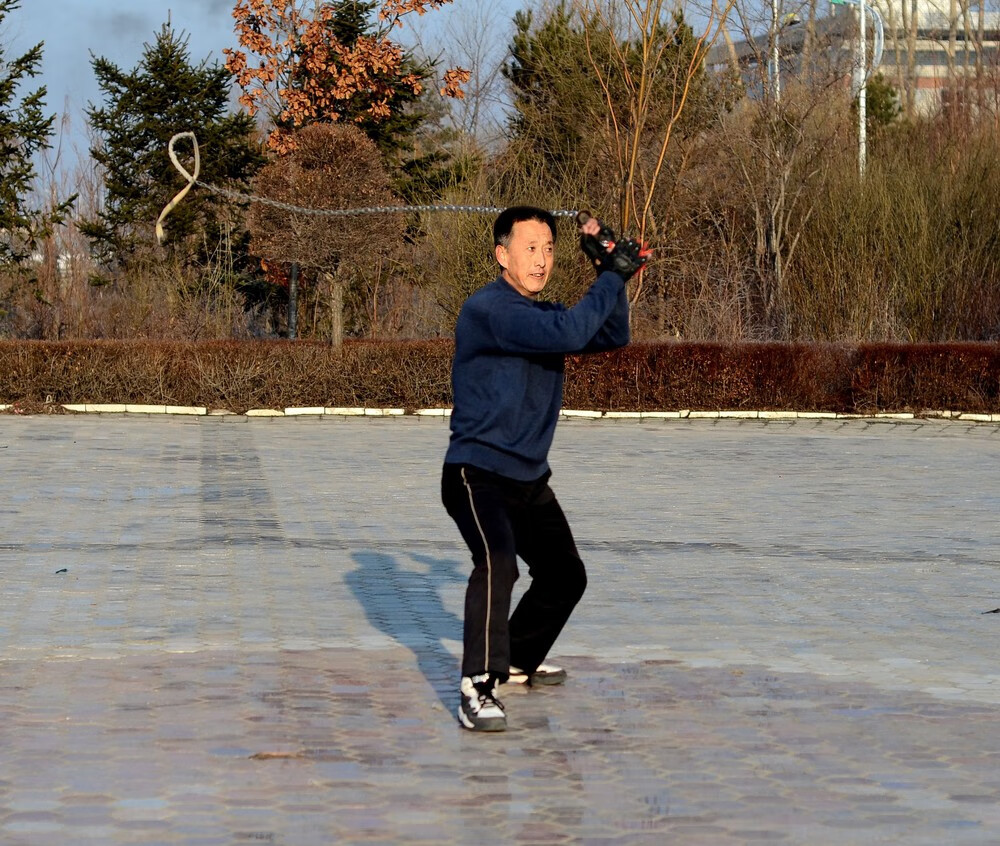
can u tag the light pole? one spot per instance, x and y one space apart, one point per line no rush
775 51
862 72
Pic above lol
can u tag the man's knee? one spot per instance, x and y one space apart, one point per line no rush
576 583
566 585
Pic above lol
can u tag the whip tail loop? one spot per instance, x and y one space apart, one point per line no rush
191 178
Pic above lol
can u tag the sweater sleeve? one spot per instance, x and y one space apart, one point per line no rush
521 327
615 331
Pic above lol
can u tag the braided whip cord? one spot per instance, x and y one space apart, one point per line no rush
192 180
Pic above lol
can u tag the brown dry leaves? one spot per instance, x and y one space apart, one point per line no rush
454 79
301 72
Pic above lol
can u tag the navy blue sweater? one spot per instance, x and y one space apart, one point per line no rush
507 376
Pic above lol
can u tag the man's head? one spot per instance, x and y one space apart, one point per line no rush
524 240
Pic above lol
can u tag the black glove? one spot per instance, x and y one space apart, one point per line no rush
605 252
626 259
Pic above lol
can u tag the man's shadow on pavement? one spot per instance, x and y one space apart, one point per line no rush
407 606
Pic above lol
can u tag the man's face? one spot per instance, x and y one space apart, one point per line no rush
527 260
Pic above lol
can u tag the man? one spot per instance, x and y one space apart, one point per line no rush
507 381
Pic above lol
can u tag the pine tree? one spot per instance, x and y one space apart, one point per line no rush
143 109
559 124
883 106
24 131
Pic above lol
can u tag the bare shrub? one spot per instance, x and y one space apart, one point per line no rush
331 167
909 254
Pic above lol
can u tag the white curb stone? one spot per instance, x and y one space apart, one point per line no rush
587 414
346 412
106 408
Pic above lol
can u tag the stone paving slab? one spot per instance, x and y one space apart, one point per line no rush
232 630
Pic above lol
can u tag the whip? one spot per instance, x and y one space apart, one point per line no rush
239 196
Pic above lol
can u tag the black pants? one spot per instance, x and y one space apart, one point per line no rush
501 519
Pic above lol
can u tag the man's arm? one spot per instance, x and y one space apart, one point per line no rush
520 326
598 242
615 331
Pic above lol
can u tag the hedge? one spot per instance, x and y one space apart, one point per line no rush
238 376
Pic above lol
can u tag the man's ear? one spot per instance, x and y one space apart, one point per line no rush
500 251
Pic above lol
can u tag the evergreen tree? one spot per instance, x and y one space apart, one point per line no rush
24 131
559 106
143 109
555 96
594 100
709 95
882 107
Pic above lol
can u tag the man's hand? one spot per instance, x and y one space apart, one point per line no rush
598 242
596 239
627 258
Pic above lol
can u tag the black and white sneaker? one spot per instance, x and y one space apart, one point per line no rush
480 710
545 674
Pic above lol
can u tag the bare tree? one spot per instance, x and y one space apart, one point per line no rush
468 37
653 27
649 63
778 144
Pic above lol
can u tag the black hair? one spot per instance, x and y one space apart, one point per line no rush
504 224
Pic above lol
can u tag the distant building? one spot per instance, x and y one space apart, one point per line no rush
65 262
940 53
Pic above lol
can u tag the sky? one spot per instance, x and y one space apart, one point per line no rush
74 30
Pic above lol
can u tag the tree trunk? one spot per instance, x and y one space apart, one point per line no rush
336 309
293 302
808 45
952 40
911 61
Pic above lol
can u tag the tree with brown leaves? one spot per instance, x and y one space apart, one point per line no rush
310 69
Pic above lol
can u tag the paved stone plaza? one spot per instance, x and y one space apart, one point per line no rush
234 631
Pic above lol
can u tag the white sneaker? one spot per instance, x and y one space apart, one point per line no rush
545 674
479 709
